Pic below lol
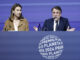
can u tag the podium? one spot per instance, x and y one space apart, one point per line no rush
27 45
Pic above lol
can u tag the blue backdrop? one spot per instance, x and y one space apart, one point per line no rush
36 11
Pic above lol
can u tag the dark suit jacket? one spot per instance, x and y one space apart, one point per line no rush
49 23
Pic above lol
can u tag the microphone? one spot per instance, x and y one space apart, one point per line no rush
54 18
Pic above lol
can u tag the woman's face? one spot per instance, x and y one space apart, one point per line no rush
17 12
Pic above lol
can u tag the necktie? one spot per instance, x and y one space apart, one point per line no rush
56 25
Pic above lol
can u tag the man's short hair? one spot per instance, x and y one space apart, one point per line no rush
58 8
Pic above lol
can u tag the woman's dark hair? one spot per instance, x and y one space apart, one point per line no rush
58 8
13 8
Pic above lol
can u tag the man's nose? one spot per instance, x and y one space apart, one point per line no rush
55 14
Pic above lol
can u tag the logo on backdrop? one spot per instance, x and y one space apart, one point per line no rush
50 47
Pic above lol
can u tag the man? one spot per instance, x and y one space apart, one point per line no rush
57 22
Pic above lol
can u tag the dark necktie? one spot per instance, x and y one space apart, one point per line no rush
56 25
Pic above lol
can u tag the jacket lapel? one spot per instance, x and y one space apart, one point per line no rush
60 25
52 24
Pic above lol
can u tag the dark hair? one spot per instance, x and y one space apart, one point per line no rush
58 8
13 8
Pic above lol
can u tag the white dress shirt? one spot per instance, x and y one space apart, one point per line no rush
16 23
54 26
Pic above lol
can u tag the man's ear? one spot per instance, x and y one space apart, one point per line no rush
60 14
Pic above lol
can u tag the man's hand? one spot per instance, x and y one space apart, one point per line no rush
35 28
72 29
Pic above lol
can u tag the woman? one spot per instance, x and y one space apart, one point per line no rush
16 22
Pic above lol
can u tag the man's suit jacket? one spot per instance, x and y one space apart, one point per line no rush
49 23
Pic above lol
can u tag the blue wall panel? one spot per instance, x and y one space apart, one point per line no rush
39 10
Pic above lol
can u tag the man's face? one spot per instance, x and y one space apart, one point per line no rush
56 14
17 12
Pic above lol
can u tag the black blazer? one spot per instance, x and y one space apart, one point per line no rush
49 23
